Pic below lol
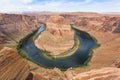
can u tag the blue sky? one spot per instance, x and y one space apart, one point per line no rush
7 6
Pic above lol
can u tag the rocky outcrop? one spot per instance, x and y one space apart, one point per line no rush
99 74
12 25
17 23
116 63
53 74
107 73
12 66
58 36
90 21
106 23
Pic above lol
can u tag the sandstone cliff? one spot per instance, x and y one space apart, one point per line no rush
103 27
17 23
58 36
12 66
99 74
13 27
105 23
53 74
90 21
106 73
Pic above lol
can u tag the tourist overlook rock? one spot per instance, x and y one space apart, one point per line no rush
58 36
12 66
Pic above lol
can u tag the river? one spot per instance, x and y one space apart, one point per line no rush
79 58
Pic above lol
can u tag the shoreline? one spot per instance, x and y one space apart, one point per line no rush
64 54
84 64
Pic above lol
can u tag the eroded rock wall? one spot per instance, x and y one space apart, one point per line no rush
12 65
15 24
99 74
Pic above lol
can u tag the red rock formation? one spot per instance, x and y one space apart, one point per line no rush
54 74
116 63
12 66
58 36
90 21
103 27
99 23
99 74
15 24
107 73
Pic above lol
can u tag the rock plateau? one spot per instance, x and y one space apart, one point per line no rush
58 36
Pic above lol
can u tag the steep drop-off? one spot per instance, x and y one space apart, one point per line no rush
99 74
12 65
14 26
105 28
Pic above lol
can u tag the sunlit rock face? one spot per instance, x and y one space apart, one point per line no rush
12 65
99 74
12 25
58 36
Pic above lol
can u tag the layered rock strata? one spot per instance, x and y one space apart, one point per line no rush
58 36
100 74
12 66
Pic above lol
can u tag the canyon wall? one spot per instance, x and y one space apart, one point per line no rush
12 65
16 23
99 23
106 28
99 74
14 27
12 24
90 21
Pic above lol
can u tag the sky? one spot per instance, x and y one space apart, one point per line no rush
101 6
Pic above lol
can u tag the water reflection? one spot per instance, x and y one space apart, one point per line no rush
77 59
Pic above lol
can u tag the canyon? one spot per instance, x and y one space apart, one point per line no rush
104 64
22 71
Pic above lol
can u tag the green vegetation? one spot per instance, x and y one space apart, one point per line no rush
22 53
87 62
22 41
64 54
88 36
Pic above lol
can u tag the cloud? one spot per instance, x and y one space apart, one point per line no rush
87 1
60 5
52 4
26 1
